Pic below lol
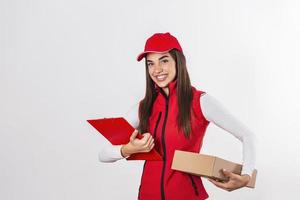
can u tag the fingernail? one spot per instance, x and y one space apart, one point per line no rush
224 170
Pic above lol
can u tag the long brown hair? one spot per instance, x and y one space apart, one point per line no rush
184 96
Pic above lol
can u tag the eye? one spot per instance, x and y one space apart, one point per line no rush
165 60
149 64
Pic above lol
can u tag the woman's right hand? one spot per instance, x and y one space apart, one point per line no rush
136 145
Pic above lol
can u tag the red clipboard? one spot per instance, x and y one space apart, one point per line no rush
118 131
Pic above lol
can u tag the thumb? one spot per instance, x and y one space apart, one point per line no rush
227 173
133 135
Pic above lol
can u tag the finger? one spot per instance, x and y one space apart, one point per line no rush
149 142
231 176
228 173
219 184
149 148
146 138
133 135
142 143
211 180
146 135
152 141
152 146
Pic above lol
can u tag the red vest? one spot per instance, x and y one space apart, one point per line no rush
159 181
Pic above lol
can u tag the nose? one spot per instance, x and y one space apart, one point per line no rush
158 68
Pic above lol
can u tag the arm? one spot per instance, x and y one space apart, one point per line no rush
112 153
214 112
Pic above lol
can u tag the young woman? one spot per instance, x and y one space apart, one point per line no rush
174 116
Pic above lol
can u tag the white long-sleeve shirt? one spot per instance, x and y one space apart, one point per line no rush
214 112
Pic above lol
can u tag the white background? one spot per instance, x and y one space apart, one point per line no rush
63 62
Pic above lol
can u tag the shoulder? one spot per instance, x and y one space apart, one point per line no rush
197 104
197 93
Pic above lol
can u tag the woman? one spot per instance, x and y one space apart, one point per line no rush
174 116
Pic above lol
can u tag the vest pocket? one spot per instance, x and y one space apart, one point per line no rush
194 185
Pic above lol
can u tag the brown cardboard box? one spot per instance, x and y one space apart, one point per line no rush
207 166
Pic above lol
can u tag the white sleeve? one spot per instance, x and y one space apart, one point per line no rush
214 112
112 153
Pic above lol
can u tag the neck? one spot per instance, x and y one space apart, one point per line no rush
166 90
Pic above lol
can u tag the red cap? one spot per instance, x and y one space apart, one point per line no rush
160 43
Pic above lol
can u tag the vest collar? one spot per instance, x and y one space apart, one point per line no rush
172 88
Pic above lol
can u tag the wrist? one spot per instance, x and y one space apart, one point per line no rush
125 152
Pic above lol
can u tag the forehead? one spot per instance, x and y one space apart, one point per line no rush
156 56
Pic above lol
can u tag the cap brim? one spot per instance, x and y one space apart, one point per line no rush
142 55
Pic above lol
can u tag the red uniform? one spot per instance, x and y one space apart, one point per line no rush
159 181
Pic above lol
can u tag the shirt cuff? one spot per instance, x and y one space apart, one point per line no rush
247 171
116 152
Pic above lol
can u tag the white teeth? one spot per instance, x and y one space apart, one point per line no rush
161 77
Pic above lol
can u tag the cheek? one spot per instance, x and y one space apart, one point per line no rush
173 70
150 73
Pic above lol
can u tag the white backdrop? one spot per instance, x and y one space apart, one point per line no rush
63 61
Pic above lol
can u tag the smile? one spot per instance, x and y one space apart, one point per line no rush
161 77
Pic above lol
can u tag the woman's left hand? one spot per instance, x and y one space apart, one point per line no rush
235 181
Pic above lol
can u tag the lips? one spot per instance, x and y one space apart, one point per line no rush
161 77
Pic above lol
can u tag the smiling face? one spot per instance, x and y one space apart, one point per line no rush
162 69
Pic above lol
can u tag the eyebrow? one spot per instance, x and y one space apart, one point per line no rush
166 56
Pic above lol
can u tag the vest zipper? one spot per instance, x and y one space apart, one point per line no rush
162 186
194 185
155 129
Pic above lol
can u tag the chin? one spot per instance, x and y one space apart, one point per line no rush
162 85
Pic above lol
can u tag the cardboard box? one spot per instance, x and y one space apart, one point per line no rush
207 166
